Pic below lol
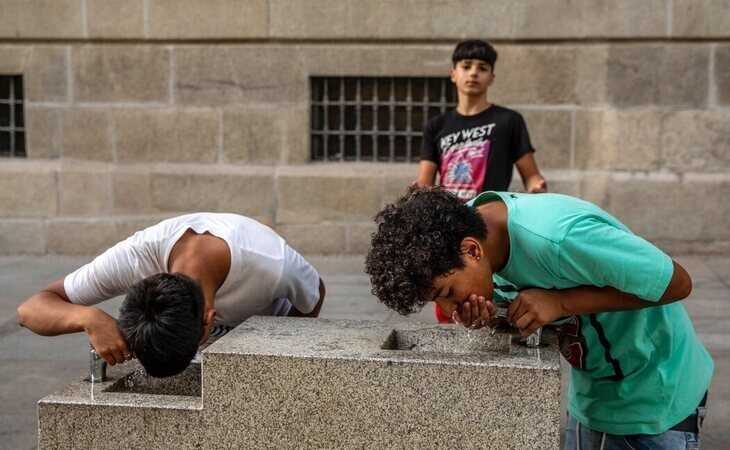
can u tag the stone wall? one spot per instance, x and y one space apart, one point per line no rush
141 110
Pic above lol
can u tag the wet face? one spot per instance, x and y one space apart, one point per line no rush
452 290
472 76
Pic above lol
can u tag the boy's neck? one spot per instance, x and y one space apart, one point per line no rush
204 258
470 106
497 243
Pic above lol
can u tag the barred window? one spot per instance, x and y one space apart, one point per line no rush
374 118
12 118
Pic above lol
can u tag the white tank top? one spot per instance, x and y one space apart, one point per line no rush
266 275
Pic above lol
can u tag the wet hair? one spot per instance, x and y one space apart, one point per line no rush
474 49
162 321
418 239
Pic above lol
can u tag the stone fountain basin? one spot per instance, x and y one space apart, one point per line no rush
314 383
448 340
443 340
187 383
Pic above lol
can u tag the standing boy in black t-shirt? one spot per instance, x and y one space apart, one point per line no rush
474 146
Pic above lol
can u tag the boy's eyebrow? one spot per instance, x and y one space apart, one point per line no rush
474 61
435 295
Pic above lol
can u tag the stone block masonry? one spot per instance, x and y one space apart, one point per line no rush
138 112
290 383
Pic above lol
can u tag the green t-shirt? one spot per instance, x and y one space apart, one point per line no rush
634 372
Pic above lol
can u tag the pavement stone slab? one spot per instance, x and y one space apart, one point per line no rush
34 366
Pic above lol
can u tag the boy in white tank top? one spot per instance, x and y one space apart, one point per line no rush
181 277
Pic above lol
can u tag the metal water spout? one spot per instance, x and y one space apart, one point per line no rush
535 339
97 367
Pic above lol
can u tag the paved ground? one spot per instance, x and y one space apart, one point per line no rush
32 367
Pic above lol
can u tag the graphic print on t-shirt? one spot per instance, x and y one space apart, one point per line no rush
464 161
572 343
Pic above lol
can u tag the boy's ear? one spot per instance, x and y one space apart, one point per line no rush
452 75
471 247
208 316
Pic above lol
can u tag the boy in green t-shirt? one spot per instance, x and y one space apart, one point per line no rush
640 374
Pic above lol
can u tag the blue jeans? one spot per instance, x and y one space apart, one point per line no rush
580 437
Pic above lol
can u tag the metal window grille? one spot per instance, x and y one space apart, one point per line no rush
12 118
374 118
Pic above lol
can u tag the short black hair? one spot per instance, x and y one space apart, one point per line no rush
418 239
162 321
474 49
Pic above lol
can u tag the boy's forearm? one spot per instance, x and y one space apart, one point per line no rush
426 174
590 299
48 315
531 177
534 308
294 312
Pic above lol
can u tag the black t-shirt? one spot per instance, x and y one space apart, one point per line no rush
476 153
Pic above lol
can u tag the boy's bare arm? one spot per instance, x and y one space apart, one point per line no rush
50 312
426 173
531 177
533 308
294 312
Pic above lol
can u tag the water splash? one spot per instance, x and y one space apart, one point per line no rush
470 337
136 379
473 341
188 382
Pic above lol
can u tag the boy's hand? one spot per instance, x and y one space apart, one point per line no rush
476 312
533 308
536 185
106 338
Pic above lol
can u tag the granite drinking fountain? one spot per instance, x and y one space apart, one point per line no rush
285 383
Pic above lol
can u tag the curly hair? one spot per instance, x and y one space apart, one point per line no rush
418 239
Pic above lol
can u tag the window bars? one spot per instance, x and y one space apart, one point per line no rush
12 118
374 118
